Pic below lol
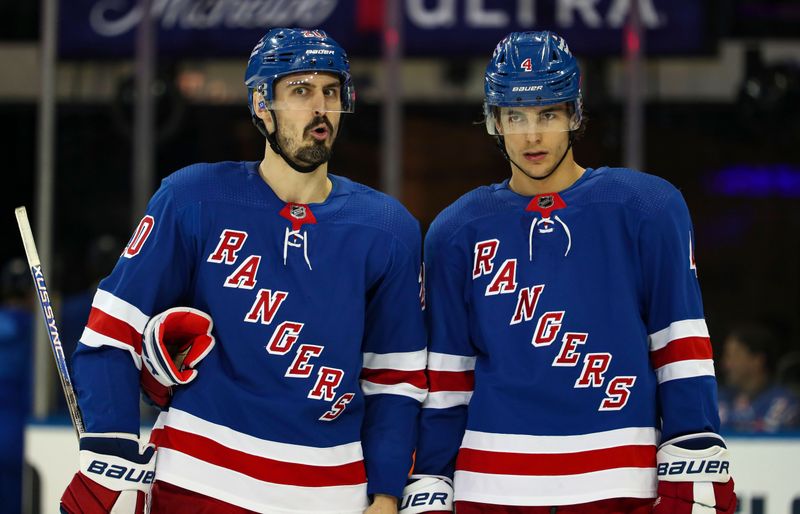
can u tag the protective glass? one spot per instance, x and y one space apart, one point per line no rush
530 120
321 92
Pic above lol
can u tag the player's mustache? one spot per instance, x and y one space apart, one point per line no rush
316 121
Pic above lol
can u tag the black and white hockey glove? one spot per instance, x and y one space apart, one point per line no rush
173 343
115 476
694 476
427 493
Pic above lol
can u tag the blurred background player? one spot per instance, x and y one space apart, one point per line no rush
751 400
309 398
15 377
569 356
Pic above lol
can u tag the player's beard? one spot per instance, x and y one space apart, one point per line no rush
314 154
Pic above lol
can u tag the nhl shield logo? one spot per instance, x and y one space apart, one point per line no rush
298 214
545 202
298 211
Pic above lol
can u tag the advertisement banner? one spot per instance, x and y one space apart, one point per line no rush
230 28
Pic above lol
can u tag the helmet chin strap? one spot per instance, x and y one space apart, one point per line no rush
276 147
501 144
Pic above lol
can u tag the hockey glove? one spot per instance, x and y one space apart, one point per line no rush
115 476
427 493
693 476
174 342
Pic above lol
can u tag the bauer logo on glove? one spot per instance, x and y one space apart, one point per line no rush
692 458
427 493
693 467
129 474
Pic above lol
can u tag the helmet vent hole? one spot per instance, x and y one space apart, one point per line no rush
554 55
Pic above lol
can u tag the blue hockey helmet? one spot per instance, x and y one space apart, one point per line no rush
532 69
284 51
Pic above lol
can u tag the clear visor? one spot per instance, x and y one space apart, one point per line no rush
319 92
529 120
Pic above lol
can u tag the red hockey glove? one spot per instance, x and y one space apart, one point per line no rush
115 476
427 493
174 342
693 476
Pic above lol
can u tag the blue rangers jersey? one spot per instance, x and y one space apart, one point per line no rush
319 332
567 340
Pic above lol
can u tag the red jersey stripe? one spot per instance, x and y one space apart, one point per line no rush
260 468
114 328
393 376
451 380
552 464
684 349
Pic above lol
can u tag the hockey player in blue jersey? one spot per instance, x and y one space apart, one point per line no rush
569 365
300 292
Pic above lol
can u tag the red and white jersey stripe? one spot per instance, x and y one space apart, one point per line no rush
257 474
401 373
452 378
515 469
115 322
682 350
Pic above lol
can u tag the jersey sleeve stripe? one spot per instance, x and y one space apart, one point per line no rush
393 376
448 362
402 389
548 464
258 467
110 326
678 330
688 348
685 369
451 380
120 309
97 340
446 399
406 361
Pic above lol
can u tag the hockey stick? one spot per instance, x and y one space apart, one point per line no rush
49 317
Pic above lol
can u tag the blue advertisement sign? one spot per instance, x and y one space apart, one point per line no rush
230 28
